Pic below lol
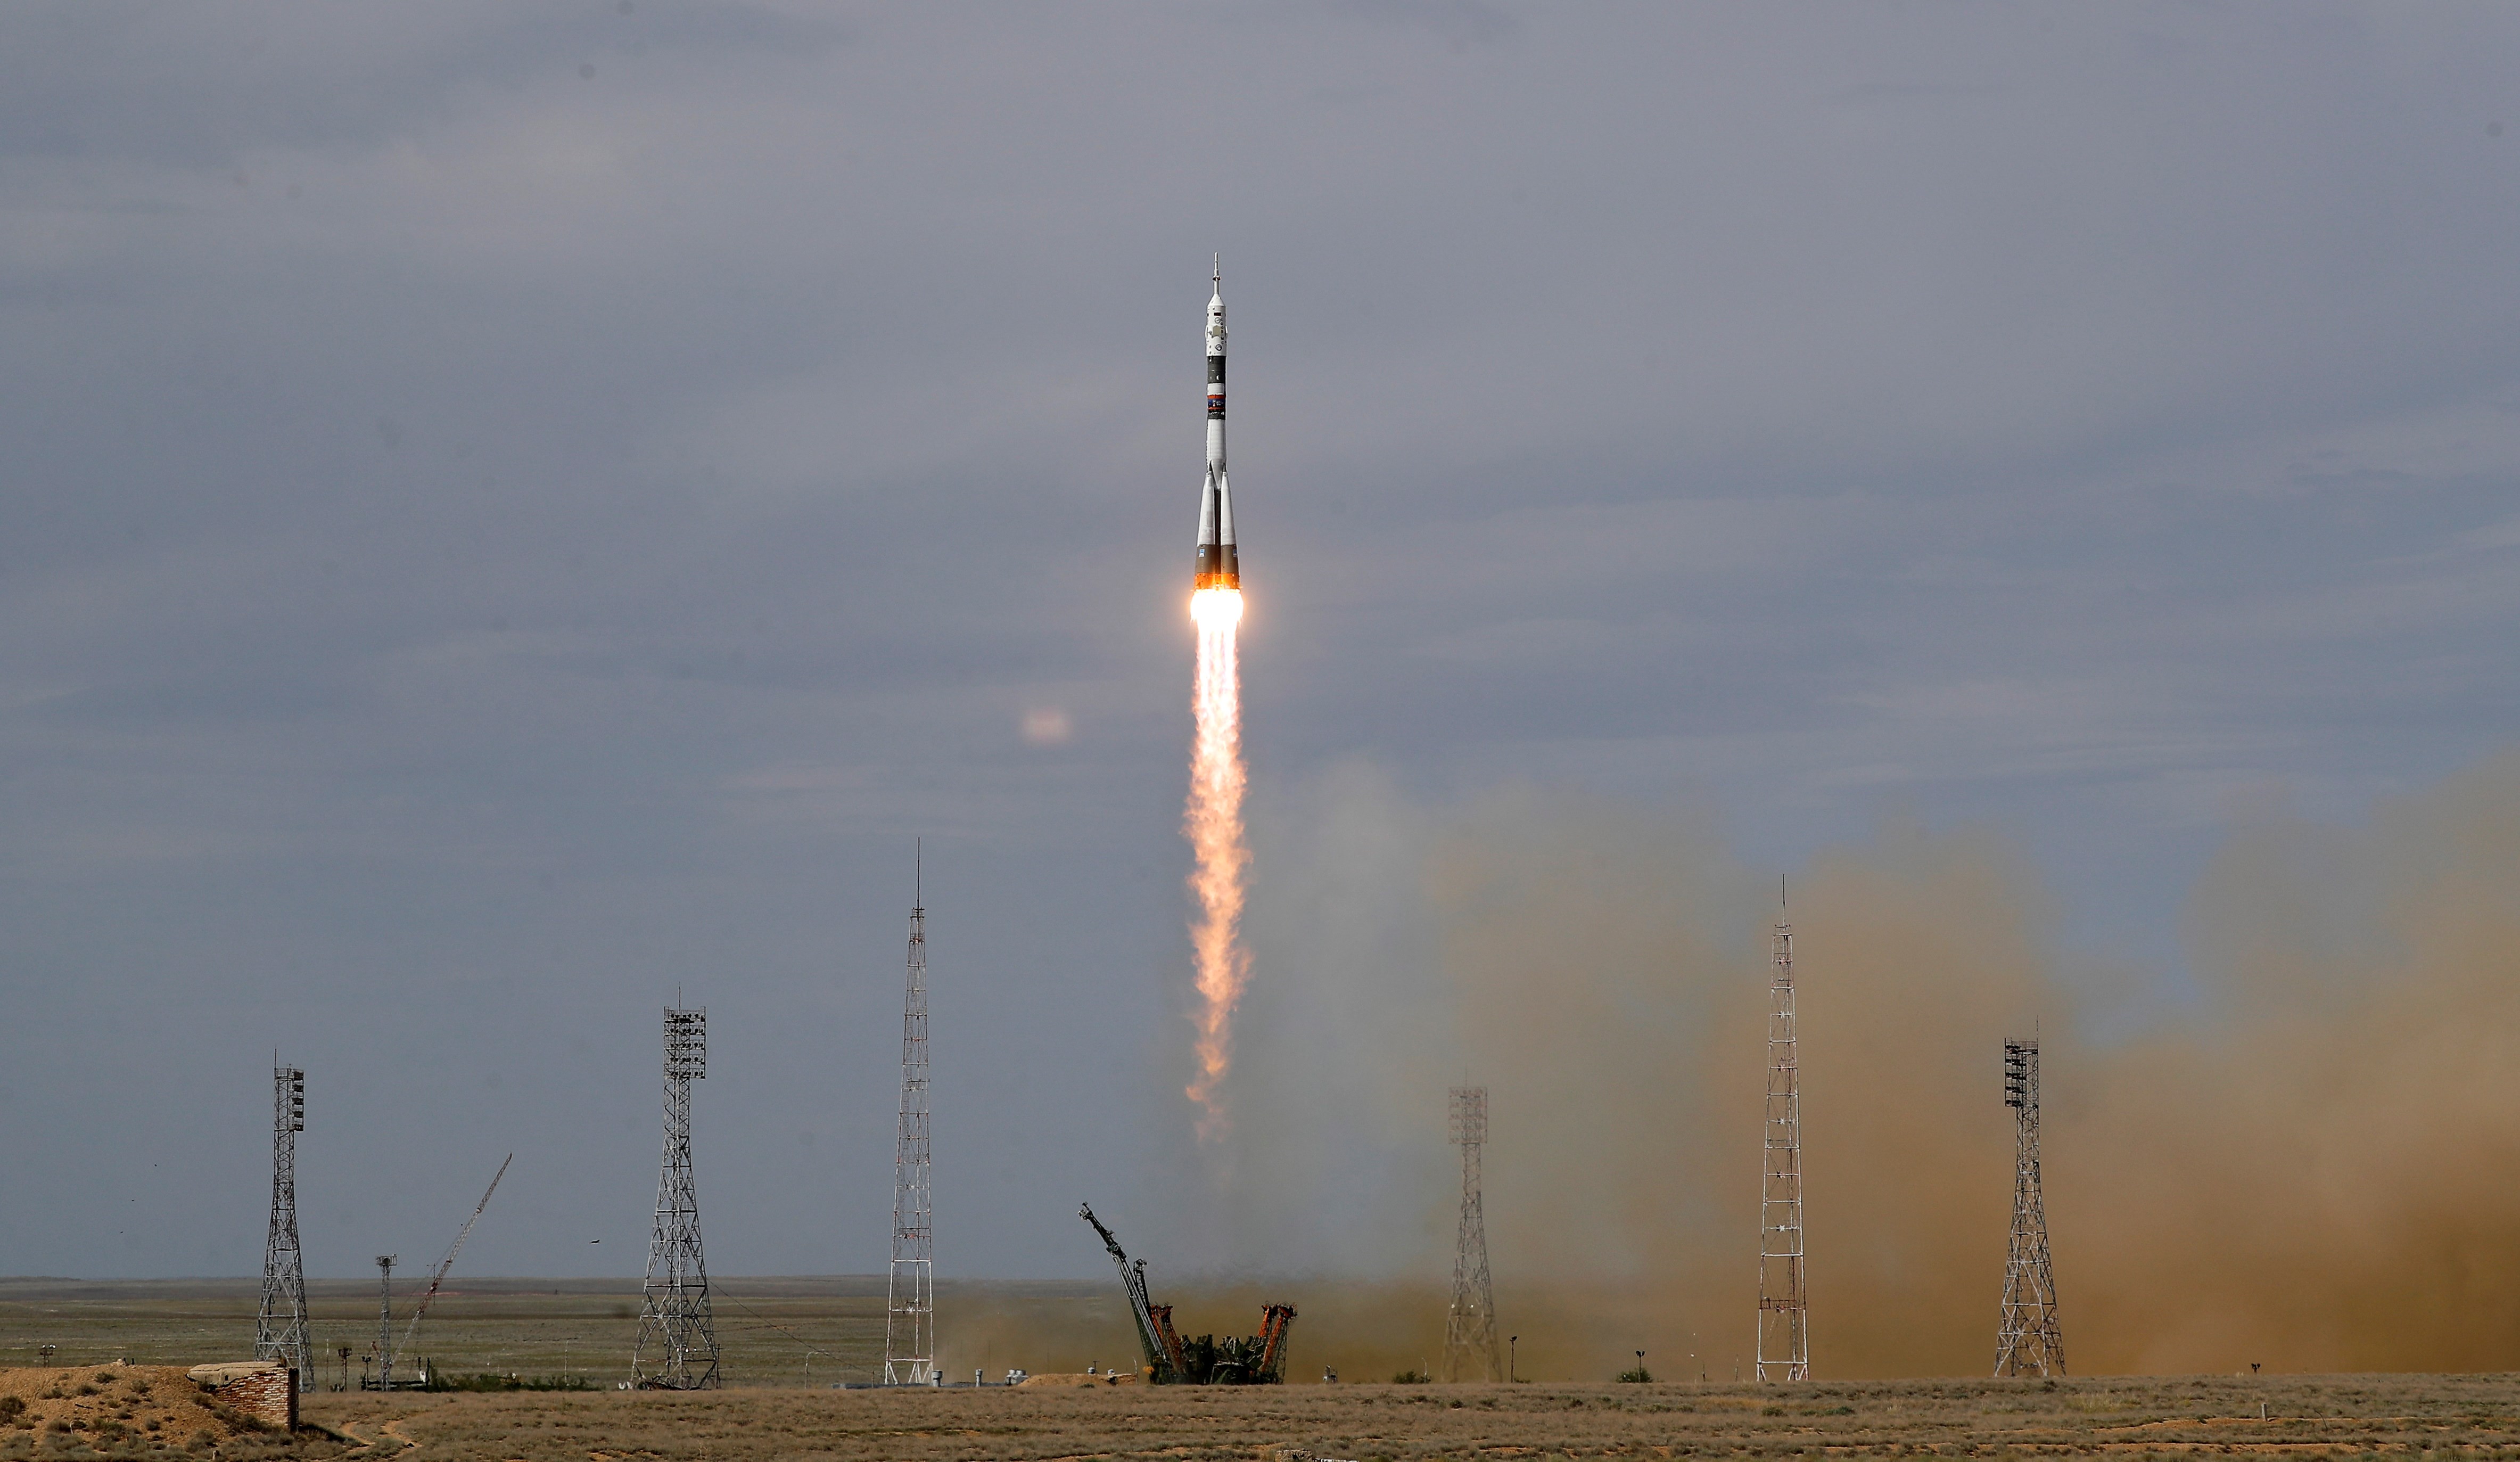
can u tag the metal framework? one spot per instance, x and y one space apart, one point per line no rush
674 1317
2028 1341
1174 1359
1785 1321
910 1314
384 1321
280 1326
438 1276
1157 1342
1469 1323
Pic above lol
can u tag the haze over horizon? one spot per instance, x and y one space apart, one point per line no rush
520 509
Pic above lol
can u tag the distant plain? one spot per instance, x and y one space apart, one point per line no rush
585 1328
2348 1416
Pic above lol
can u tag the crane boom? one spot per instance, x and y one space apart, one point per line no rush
448 1262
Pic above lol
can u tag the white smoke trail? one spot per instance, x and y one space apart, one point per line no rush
1213 823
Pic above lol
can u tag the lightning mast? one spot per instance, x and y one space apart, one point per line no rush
280 1327
674 1311
1784 1335
910 1315
1469 1324
2027 1342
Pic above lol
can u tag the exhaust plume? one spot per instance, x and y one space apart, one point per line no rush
1213 823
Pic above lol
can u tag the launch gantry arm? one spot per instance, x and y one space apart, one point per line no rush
1132 1278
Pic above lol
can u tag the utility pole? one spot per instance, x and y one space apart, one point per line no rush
384 1321
1470 1325
280 1325
910 1312
674 1313
1784 1335
2027 1342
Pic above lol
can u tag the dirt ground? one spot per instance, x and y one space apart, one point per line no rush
2317 1417
117 1410
774 1330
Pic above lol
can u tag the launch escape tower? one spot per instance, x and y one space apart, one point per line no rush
674 1313
280 1326
1470 1325
1784 1335
2028 1341
910 1313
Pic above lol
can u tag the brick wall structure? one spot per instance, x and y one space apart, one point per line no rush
266 1391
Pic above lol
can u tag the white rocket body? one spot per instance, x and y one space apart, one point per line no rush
1216 567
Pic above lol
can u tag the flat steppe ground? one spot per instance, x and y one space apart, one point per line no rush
2322 1417
585 1328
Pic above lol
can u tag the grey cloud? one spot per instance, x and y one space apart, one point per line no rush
486 546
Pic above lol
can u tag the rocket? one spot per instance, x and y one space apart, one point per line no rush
1216 568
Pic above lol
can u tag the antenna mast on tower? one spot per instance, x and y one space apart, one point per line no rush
1784 1335
279 1328
909 1318
2028 1341
1470 1325
674 1311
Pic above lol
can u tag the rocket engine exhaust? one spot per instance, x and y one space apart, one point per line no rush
1213 818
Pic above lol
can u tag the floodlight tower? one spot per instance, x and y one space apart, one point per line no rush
1470 1325
2028 1341
674 1311
384 1321
910 1312
1785 1334
280 1326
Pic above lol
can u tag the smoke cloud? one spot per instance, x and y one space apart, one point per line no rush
2307 1161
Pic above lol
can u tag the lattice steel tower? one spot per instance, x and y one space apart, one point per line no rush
1785 1333
280 1327
674 1313
1470 1325
384 1321
2028 1341
910 1316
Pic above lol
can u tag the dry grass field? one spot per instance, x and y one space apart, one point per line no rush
585 1329
2343 1417
773 1331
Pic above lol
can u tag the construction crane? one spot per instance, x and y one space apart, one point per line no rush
1203 1360
439 1277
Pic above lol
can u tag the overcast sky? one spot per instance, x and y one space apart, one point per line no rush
516 510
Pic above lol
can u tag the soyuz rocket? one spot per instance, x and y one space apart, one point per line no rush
1216 567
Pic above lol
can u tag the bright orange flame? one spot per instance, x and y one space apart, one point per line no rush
1213 823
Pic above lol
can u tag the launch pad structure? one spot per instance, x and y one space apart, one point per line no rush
1170 1359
